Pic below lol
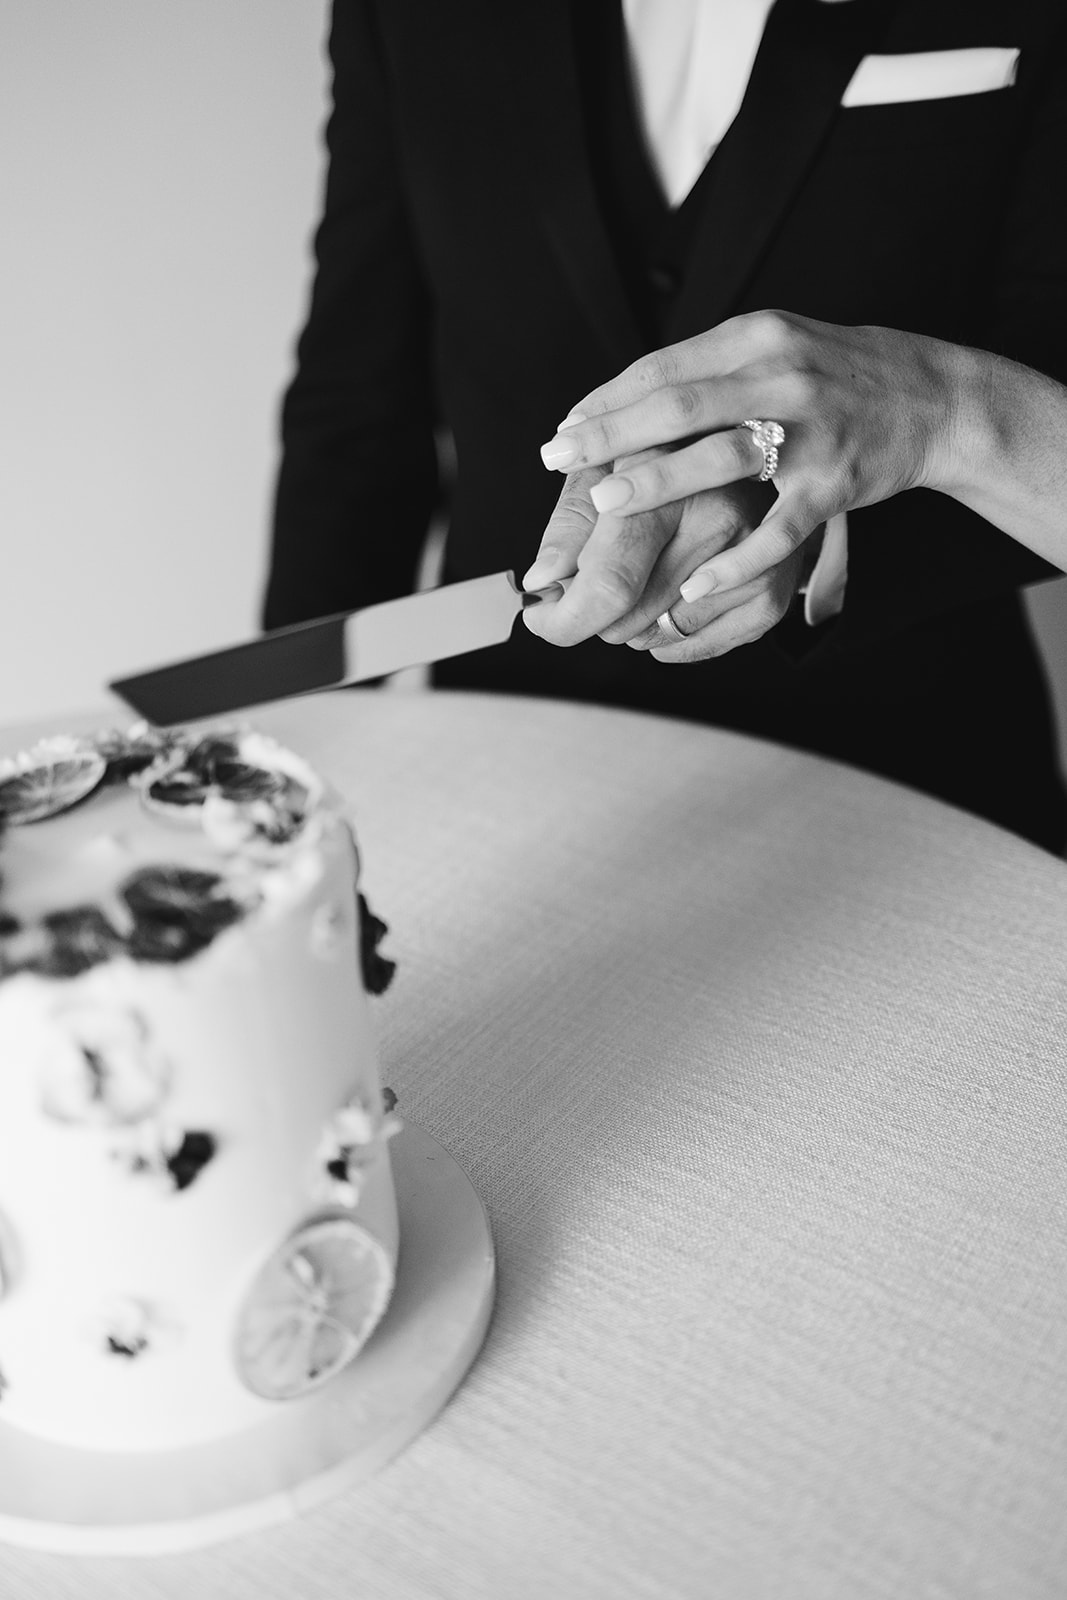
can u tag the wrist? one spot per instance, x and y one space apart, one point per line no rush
959 437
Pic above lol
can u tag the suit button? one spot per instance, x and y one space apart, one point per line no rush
665 280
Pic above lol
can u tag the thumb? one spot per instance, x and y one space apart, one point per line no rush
568 530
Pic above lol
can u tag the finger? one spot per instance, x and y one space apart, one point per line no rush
636 459
691 619
782 531
568 528
739 626
613 569
678 412
765 602
707 355
654 477
705 524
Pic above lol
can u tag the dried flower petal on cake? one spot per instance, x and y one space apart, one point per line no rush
128 751
279 790
77 940
28 949
348 1147
51 777
263 797
128 1327
174 1157
377 969
258 791
20 947
312 1308
142 1148
230 771
250 827
100 1066
302 783
191 1157
177 911
171 787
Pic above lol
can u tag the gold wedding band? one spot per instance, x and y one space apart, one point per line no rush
667 625
768 436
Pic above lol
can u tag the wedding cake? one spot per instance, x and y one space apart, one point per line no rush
197 1217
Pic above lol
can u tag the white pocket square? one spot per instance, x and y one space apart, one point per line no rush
930 75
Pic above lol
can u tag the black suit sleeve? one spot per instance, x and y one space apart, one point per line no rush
358 474
1026 274
1030 310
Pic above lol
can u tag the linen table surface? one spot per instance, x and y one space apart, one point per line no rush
758 1065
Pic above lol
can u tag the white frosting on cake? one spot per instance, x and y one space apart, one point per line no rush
166 1125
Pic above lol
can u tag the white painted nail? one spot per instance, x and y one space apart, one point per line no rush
696 587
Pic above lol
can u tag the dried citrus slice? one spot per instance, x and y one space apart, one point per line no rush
170 788
243 788
311 1308
51 777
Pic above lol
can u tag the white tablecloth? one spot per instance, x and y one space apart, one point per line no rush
759 1067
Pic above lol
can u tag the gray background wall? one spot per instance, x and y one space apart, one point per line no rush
160 170
159 176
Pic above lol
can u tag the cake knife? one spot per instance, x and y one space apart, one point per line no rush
348 647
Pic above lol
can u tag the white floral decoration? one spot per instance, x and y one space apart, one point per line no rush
128 1326
99 1065
351 1141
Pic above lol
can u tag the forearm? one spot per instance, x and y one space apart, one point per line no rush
357 479
1005 451
351 513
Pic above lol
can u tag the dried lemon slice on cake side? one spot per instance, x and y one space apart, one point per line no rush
50 778
312 1307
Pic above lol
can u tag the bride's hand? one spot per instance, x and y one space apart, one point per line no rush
867 413
626 572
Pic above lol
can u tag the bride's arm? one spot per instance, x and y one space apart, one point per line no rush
867 413
1007 453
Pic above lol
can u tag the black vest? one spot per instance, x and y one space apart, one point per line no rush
652 240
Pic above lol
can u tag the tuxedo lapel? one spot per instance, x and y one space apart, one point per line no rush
550 153
809 51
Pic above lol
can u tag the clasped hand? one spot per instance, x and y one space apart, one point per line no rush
660 507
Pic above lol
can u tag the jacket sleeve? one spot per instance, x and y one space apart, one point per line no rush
358 477
1030 308
1027 320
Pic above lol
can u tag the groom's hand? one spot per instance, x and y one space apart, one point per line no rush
627 571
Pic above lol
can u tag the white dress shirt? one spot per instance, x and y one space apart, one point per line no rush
690 62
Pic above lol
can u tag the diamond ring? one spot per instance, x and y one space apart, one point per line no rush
768 436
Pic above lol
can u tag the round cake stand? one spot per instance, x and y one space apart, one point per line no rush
53 1497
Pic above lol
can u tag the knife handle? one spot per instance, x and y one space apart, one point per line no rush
553 591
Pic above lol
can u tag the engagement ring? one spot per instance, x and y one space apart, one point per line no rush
768 435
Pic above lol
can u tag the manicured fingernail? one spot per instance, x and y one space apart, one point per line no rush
696 587
559 453
544 570
611 493
571 420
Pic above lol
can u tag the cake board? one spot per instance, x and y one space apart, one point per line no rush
54 1497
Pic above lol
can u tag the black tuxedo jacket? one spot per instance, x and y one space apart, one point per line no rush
466 272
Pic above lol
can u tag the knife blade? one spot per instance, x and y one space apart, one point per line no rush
347 647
